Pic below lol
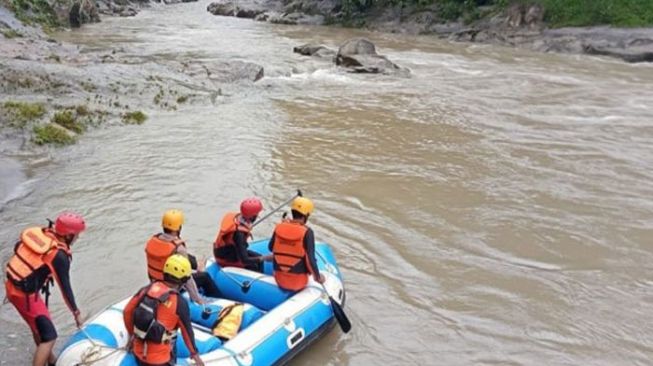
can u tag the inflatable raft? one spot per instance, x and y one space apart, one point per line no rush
277 324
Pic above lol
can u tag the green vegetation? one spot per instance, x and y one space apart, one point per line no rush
134 118
36 11
578 13
182 99
20 113
82 110
557 13
11 33
68 120
52 134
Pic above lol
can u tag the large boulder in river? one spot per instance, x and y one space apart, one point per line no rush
359 55
311 49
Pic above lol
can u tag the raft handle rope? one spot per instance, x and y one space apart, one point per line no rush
94 350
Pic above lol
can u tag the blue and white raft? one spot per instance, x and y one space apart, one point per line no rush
277 324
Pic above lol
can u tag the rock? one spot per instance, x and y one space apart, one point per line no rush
359 55
221 8
534 15
515 16
239 8
297 18
632 54
83 12
316 50
225 72
356 46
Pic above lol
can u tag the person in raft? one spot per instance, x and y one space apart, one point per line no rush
162 245
230 247
293 248
154 314
42 256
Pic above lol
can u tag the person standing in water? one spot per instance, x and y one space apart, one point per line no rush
43 256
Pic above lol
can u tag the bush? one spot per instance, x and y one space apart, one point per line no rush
134 118
68 120
52 134
21 113
578 13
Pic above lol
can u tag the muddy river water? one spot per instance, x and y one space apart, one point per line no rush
495 208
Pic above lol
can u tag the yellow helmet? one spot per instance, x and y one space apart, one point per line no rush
302 205
172 220
177 267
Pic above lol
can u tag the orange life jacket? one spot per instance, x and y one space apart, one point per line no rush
290 269
157 352
157 250
37 248
224 241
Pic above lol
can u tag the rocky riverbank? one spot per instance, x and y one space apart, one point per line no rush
51 92
519 25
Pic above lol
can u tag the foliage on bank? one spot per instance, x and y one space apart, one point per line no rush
41 12
557 13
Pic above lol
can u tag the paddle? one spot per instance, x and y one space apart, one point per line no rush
339 313
299 194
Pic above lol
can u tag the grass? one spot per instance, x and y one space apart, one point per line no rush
36 11
21 112
51 134
134 118
68 120
11 33
579 13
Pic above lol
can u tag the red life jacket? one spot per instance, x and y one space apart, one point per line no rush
157 250
224 247
290 269
37 248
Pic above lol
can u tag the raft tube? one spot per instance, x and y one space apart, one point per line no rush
277 324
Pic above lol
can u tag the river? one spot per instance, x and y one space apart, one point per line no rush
495 208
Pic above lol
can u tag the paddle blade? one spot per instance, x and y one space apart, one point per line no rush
340 315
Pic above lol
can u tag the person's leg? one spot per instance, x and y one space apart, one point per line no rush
47 335
43 353
206 284
256 267
33 310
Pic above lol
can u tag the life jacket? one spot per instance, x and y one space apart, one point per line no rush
147 326
37 248
290 269
224 247
157 250
229 321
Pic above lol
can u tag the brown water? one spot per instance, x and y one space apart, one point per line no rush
496 208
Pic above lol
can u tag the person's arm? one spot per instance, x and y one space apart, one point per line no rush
190 285
183 313
128 312
271 243
61 266
309 246
240 242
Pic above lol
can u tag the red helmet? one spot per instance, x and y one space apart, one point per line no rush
250 207
69 223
